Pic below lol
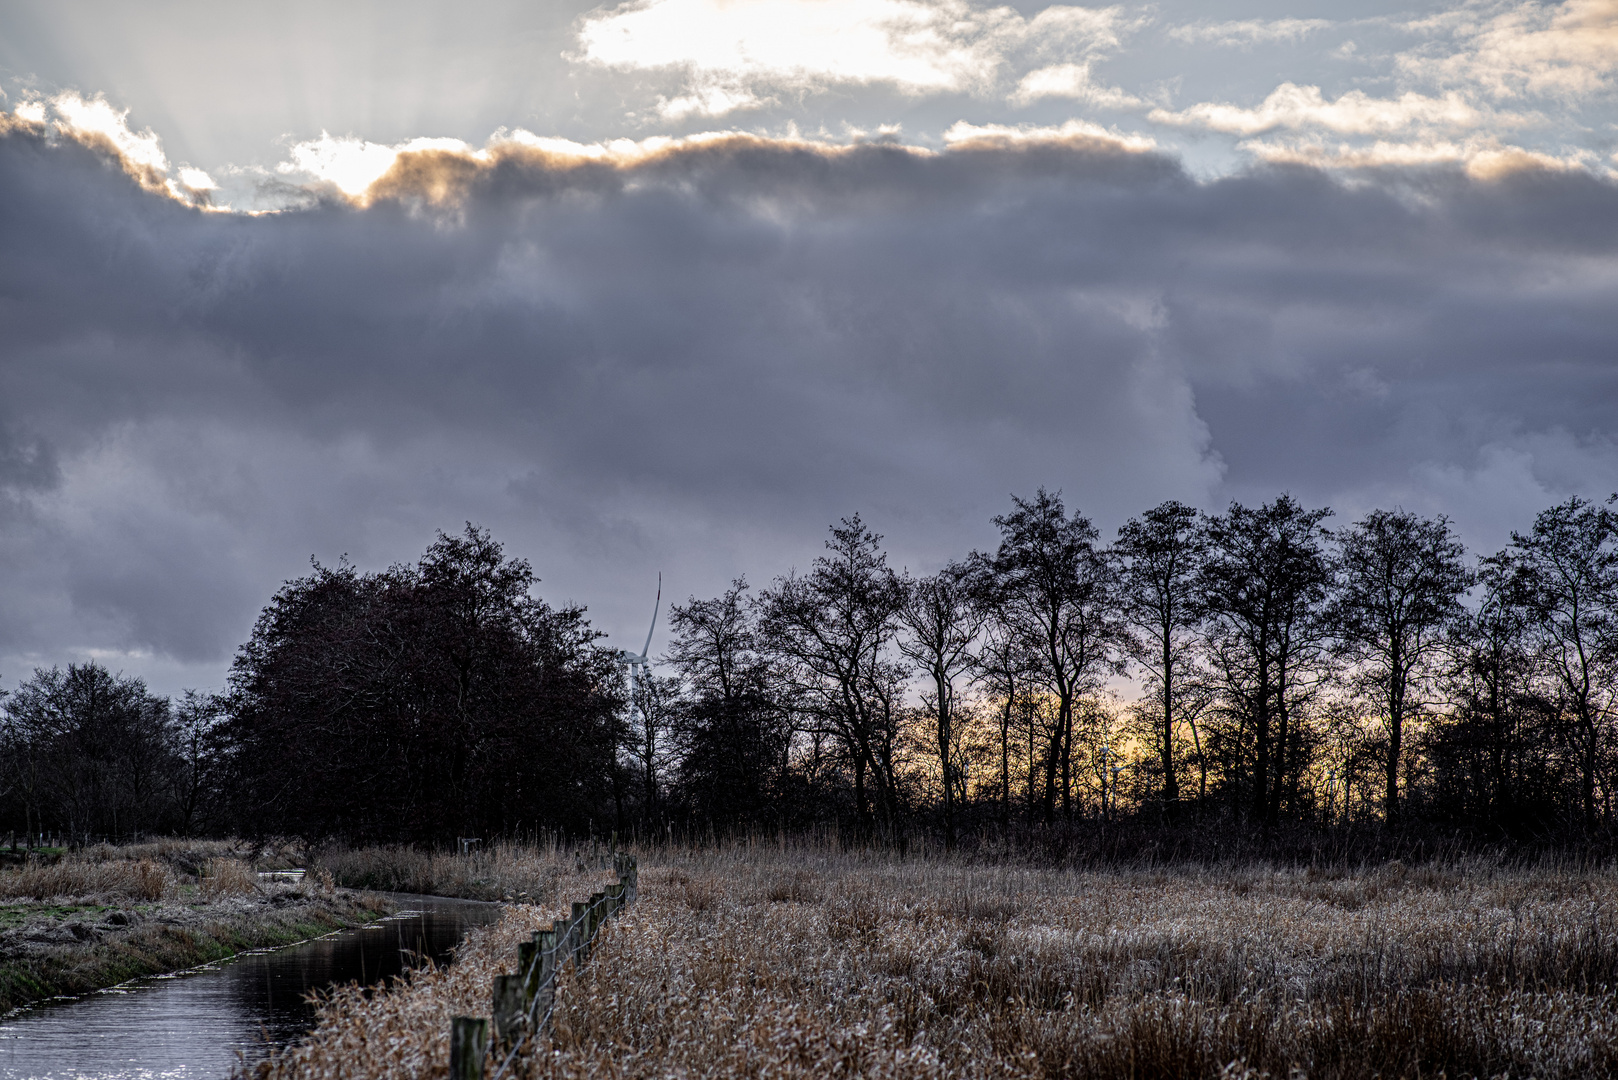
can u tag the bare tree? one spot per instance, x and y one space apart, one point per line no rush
1568 567
834 628
1054 590
1491 684
1263 586
91 752
1161 554
1399 588
1004 670
655 701
941 620
197 719
715 643
734 731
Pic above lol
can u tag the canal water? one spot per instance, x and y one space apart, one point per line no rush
200 1024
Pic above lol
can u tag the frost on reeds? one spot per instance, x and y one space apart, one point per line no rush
503 871
805 964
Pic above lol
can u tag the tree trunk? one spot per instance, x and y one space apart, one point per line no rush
1171 784
1005 764
1396 709
1261 738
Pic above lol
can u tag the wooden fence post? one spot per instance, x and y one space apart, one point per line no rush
468 1043
545 980
508 1008
575 928
528 967
594 924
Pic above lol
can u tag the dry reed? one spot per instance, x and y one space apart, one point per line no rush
804 963
134 879
221 878
504 871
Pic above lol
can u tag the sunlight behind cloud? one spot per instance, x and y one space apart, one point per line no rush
352 165
735 52
197 179
90 118
95 123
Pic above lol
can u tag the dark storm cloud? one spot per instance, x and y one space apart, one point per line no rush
693 359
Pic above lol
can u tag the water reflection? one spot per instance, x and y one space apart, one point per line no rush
194 1025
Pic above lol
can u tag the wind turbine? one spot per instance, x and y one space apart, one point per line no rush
641 662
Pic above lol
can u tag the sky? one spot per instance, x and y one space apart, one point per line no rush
669 286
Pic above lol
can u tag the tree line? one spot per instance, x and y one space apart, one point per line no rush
419 703
1255 666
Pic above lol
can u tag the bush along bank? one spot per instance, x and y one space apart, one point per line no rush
79 928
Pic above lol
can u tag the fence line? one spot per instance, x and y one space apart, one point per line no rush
523 1002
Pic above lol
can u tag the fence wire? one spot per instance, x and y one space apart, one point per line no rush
569 940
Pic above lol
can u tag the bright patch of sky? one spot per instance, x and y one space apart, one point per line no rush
329 93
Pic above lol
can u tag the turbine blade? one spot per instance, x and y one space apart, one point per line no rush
646 649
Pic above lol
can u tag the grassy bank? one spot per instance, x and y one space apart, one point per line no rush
804 963
95 919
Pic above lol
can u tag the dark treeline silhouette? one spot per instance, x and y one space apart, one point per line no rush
1256 669
90 754
1253 667
421 703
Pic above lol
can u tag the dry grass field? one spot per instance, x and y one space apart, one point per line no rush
804 963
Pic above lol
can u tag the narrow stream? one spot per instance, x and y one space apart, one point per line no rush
194 1025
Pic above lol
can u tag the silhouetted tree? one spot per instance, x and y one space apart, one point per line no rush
1492 754
90 752
198 753
655 704
941 619
1399 588
1161 554
1055 590
1264 584
833 629
1567 566
1004 670
733 730
423 702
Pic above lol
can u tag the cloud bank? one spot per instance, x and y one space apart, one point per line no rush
692 354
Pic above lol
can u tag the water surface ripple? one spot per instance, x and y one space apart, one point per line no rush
194 1025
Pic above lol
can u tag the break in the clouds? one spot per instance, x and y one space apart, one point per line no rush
742 53
750 267
1462 83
